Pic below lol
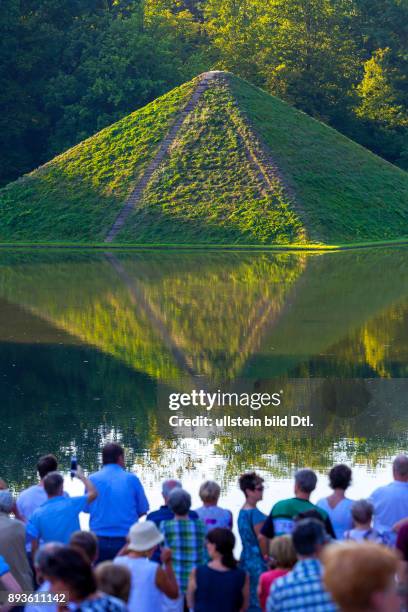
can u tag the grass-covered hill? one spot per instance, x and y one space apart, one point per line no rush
244 168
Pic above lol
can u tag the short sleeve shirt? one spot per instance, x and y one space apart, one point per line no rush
390 506
213 516
57 519
281 520
121 501
29 500
185 538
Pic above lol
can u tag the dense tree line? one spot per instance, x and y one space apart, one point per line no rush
70 67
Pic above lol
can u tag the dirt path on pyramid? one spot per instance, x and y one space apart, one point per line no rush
262 165
163 150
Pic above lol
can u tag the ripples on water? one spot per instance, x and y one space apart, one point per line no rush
91 343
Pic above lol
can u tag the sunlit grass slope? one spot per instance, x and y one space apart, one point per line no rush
208 190
77 195
328 190
348 194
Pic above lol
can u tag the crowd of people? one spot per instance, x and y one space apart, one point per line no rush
338 554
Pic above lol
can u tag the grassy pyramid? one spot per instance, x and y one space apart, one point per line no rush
245 168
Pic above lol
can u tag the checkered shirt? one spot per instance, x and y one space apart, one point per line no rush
185 538
301 589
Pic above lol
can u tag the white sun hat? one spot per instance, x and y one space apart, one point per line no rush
144 536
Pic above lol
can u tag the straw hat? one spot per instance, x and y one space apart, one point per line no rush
144 536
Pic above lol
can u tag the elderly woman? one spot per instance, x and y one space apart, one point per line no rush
210 513
185 537
151 583
12 542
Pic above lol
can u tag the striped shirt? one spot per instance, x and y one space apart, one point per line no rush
301 589
185 538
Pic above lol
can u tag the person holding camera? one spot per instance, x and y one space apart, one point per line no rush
58 518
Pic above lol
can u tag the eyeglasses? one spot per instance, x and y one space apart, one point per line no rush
259 488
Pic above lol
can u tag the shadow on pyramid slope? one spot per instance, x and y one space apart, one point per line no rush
215 161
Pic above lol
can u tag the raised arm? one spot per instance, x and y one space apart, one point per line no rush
91 490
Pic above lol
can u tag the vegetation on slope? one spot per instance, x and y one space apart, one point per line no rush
77 195
350 194
66 73
207 190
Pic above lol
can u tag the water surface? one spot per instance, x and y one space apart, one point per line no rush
91 343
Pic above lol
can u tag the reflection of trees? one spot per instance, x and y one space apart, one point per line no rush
366 436
383 343
336 296
214 309
60 399
89 354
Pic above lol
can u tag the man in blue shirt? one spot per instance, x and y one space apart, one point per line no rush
58 518
121 502
302 589
164 513
391 501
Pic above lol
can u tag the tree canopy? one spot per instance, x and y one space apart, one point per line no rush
71 67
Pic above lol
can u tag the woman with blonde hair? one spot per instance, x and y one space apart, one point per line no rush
210 513
283 557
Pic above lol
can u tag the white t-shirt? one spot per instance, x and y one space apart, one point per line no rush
364 535
144 594
29 500
390 506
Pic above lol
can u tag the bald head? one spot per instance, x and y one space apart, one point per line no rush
400 468
168 486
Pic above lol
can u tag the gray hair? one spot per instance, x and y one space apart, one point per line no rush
6 501
169 485
179 502
400 465
306 480
210 491
362 511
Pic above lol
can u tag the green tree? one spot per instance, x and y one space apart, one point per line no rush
111 67
377 96
300 50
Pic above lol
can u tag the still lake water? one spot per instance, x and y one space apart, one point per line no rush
92 343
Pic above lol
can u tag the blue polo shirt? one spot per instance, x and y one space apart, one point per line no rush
4 568
56 519
120 503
